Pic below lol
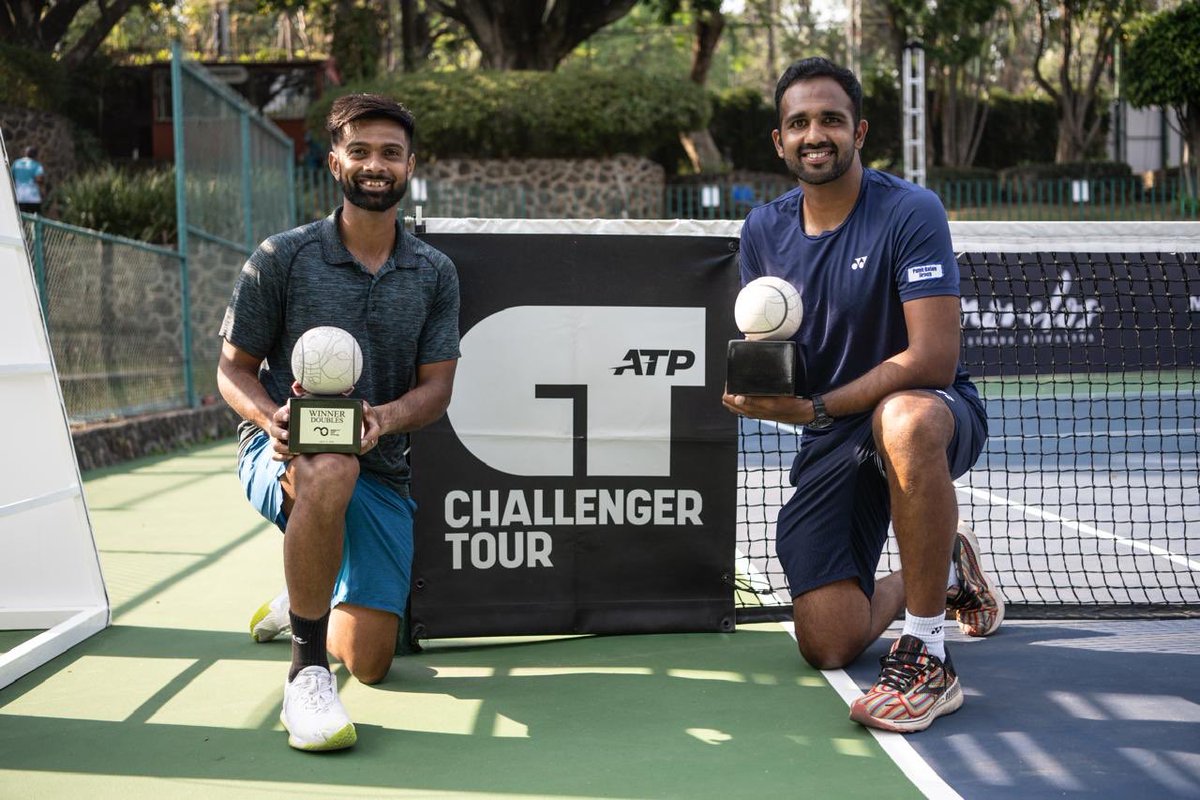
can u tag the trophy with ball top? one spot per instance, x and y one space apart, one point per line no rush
326 362
768 313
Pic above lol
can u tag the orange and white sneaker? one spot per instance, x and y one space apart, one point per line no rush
976 602
914 689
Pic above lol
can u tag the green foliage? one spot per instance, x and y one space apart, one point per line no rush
741 125
139 205
1019 129
31 79
881 109
938 175
357 41
1070 170
563 114
1162 63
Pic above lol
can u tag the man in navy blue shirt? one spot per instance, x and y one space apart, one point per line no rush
890 415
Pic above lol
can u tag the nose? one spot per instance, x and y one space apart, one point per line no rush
815 134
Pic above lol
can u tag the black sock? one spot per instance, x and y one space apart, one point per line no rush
308 643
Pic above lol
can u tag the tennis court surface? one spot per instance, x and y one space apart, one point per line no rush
175 700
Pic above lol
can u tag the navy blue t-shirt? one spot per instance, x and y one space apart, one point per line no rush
853 281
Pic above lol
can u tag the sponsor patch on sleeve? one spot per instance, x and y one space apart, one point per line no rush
925 272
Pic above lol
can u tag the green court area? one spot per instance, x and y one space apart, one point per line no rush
175 700
1083 384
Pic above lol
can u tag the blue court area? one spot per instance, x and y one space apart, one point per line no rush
1090 500
1086 505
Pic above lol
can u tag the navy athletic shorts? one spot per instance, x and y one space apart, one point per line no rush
835 525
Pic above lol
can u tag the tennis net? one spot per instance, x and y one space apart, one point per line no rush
1083 339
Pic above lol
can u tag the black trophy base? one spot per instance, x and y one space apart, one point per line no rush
325 425
761 367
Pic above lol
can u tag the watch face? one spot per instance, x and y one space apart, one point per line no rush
821 421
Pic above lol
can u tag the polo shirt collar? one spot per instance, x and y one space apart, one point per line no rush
335 251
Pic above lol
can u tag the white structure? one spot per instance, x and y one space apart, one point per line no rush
50 579
1146 138
912 84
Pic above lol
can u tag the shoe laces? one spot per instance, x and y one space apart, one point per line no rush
316 690
900 668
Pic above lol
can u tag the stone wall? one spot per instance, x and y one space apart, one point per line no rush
49 133
546 188
109 443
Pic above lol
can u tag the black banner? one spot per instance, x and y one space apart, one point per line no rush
1035 313
584 477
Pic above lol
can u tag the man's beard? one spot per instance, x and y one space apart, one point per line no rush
801 171
373 201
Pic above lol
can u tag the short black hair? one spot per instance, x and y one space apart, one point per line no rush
819 67
351 108
31 152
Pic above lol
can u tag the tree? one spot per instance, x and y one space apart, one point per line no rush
1162 67
707 24
46 25
1084 32
530 34
962 39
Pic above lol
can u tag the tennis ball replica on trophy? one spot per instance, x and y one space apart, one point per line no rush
327 362
768 308
768 312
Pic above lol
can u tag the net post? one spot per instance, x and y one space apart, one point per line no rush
39 264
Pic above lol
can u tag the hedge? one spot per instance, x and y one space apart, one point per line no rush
564 114
31 79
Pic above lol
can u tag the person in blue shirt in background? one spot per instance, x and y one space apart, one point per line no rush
29 180
890 416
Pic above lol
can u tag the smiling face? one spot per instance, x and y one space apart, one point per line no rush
818 137
373 161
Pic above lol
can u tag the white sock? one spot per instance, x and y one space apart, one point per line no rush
930 630
952 581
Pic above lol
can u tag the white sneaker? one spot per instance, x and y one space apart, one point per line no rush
313 714
271 619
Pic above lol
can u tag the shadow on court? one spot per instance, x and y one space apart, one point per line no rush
655 716
1070 708
176 701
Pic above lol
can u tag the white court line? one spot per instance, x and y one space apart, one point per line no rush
1096 434
1081 527
1049 516
904 755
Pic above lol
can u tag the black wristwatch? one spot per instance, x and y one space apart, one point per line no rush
821 418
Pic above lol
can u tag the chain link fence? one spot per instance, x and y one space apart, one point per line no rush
113 309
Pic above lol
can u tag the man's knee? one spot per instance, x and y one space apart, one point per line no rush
322 467
369 668
364 639
832 624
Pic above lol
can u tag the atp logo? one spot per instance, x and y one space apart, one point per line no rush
575 390
646 362
858 263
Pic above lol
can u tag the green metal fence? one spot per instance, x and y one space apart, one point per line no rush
114 312
133 327
234 186
1041 200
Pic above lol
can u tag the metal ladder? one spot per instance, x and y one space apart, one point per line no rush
913 119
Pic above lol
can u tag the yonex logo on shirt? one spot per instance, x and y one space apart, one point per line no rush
925 272
858 263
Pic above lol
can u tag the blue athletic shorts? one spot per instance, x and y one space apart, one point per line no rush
835 525
377 551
